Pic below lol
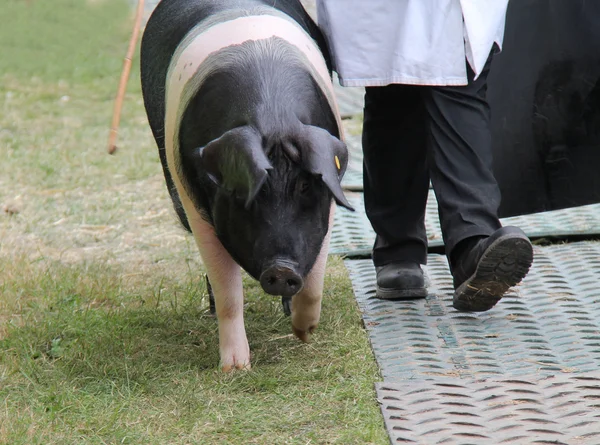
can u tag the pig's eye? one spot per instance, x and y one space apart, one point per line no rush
303 187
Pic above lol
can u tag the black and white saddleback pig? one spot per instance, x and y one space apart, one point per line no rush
240 102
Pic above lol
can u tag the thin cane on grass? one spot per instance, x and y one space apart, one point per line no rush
112 137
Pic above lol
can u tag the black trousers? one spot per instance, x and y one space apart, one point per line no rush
412 134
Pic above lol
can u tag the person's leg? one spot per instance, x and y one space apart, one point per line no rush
396 183
485 259
461 160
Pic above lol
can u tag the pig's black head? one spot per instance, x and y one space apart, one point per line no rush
273 196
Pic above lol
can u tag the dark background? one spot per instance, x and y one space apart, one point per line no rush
545 96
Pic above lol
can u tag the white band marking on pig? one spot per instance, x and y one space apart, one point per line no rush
234 32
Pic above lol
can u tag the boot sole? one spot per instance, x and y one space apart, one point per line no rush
503 265
400 294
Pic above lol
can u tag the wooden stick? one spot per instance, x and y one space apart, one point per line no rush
112 137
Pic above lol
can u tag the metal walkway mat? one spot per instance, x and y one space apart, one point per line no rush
353 178
549 324
526 371
584 220
350 100
563 409
352 233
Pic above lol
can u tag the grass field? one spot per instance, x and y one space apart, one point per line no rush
105 336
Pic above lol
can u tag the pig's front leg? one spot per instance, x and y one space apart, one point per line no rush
226 281
306 304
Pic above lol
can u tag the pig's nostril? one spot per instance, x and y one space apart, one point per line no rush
272 280
292 283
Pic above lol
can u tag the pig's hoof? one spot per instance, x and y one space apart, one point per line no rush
304 335
242 366
235 358
235 363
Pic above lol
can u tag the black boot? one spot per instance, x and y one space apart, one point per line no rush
484 271
400 280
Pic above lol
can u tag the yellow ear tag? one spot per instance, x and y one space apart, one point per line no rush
337 163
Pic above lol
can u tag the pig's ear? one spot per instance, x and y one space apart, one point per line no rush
324 155
237 162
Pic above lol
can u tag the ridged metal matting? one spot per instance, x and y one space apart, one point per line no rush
352 232
563 409
353 178
524 372
548 324
350 100
353 235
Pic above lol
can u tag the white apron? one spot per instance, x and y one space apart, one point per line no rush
416 42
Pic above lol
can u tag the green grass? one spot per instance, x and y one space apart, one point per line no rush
69 40
87 358
104 332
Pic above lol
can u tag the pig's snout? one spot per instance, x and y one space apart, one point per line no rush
281 278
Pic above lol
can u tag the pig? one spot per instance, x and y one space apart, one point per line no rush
239 97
